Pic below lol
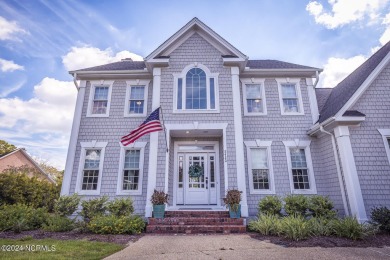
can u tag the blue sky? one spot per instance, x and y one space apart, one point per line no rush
41 40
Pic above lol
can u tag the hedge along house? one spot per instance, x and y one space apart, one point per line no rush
256 125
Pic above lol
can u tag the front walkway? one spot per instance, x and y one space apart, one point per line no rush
235 247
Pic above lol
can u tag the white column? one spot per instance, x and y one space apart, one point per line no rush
350 173
65 189
153 146
239 139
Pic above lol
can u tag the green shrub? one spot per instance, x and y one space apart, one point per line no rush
20 217
295 227
116 225
320 226
57 223
93 208
17 188
266 224
296 204
320 206
270 205
66 205
380 216
121 207
350 228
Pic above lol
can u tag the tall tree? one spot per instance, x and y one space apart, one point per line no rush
6 147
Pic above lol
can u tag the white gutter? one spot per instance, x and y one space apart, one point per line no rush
75 81
338 167
317 79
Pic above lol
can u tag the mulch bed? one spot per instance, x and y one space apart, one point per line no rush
71 235
379 240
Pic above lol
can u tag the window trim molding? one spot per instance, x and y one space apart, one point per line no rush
134 146
295 81
260 144
254 81
129 84
85 146
209 75
385 136
302 144
93 85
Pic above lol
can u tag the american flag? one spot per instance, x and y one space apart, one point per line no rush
151 124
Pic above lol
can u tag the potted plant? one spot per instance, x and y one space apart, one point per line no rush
232 201
159 198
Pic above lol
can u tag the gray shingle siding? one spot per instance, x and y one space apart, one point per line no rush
368 147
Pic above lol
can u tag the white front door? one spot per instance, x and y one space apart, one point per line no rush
197 178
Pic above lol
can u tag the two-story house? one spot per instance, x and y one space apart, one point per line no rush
257 125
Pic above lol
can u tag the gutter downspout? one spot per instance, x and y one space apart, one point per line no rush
337 160
75 81
317 79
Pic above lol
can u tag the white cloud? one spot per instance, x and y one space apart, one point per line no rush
9 66
386 34
9 29
41 124
8 90
87 56
336 69
345 11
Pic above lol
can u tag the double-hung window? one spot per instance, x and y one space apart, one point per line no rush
90 167
260 170
386 140
99 99
290 97
196 90
136 98
254 97
300 167
131 169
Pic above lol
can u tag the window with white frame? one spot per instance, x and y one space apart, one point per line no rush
254 97
90 167
260 170
131 169
386 140
300 167
196 90
99 99
290 97
136 98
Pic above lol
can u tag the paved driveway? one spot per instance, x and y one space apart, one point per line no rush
235 247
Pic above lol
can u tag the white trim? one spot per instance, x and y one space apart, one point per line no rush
385 136
84 147
70 158
365 85
313 100
93 85
261 82
129 84
134 146
260 144
351 177
239 139
301 144
182 75
295 81
153 146
215 144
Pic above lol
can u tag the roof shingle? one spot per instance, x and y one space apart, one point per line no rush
275 64
120 65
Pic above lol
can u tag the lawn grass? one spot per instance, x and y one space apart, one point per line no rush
63 249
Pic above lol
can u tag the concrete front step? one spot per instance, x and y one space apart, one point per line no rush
200 214
195 229
196 221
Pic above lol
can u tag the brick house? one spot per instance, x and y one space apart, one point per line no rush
257 125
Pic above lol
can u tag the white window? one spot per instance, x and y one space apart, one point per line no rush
300 167
131 165
90 168
196 90
290 97
254 97
386 140
260 170
99 99
136 98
